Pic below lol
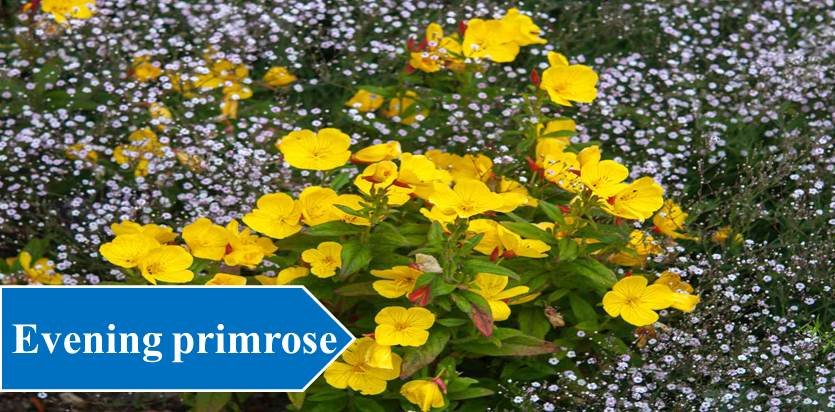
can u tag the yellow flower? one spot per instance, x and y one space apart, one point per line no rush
277 215
279 76
128 250
400 281
42 272
166 264
523 30
721 235
568 83
478 167
325 259
635 302
639 247
556 126
402 106
397 325
161 233
424 393
492 289
499 241
669 220
80 151
683 299
514 195
604 178
365 101
205 239
316 203
325 150
144 69
227 279
61 9
490 39
285 276
381 176
637 200
245 249
356 372
220 72
160 115
420 174
378 153
436 51
468 198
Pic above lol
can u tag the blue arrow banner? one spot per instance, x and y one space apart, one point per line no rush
165 338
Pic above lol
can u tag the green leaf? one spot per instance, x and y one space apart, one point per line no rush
459 383
364 403
470 393
452 322
340 180
355 256
474 266
553 212
529 348
532 321
335 228
568 249
600 277
477 309
416 358
435 235
583 311
328 394
211 401
387 234
357 289
296 398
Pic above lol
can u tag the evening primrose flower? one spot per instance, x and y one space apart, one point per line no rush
161 233
492 288
220 72
397 325
498 241
683 299
377 153
669 220
494 40
166 264
436 51
604 178
399 281
365 101
276 215
721 235
522 28
568 83
285 276
144 69
550 129
161 117
325 150
227 279
42 272
205 239
401 107
279 76
635 302
316 203
637 200
63 9
420 174
325 259
245 249
80 151
356 372
128 250
468 198
425 393
640 246
381 176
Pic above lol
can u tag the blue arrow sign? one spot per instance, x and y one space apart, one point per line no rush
165 338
